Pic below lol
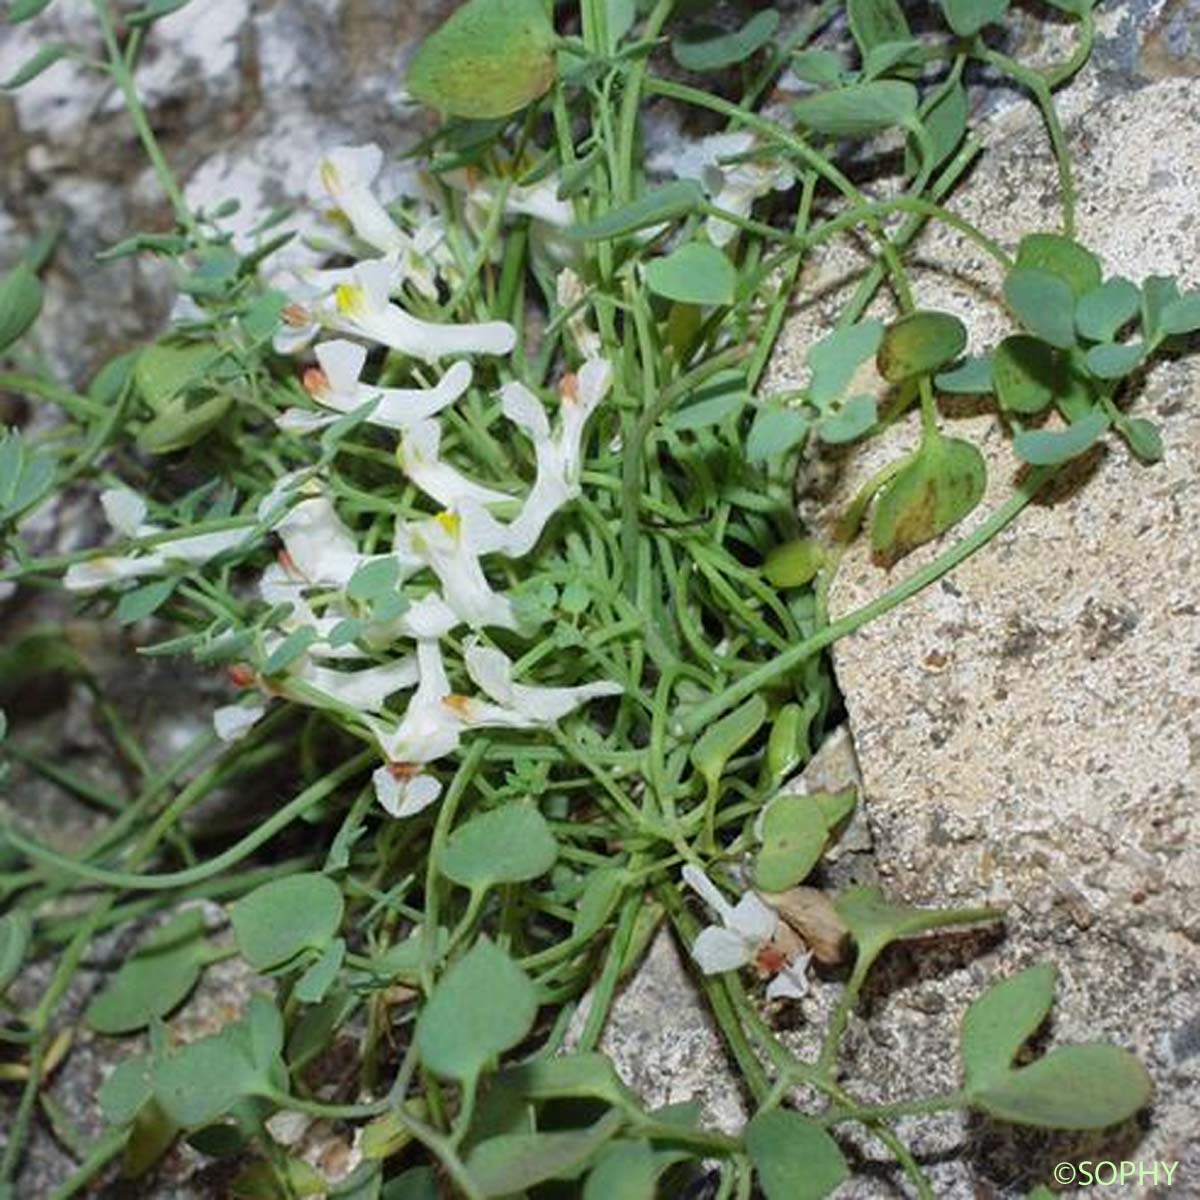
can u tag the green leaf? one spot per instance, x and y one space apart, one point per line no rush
313 985
507 845
822 68
658 206
20 304
165 370
144 601
968 17
45 58
1114 360
1075 1087
490 59
795 1158
24 10
290 649
945 121
417 1183
155 11
16 929
1002 1020
1044 304
1102 312
777 430
1142 436
26 475
598 901
504 1166
706 49
179 425
715 401
793 564
851 421
696 273
874 22
624 1170
374 579
834 359
795 831
483 1005
972 377
588 1076
859 110
1027 374
1063 257
124 1092
723 739
933 491
155 980
1182 315
875 924
276 921
887 57
1048 447
918 344
1159 292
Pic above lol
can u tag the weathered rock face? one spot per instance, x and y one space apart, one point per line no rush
1028 729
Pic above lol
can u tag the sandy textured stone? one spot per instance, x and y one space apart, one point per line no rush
1028 729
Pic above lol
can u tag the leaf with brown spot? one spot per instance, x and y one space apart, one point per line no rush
933 491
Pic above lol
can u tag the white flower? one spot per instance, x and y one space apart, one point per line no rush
365 310
559 460
491 671
363 691
537 200
321 549
744 937
125 511
234 721
347 174
571 294
311 307
195 550
445 545
420 460
733 187
335 384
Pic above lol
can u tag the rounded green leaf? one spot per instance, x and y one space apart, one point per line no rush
276 921
625 1170
795 1158
972 377
696 273
483 1005
658 206
1002 1020
1143 437
1114 360
833 360
793 564
1043 303
1063 257
1102 312
1182 315
507 845
707 49
490 59
1048 447
1027 374
793 836
919 344
860 110
506 1166
155 980
1075 1087
875 22
933 491
851 421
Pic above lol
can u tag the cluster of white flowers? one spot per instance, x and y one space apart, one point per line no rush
320 553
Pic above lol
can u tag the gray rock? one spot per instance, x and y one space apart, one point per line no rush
1027 729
